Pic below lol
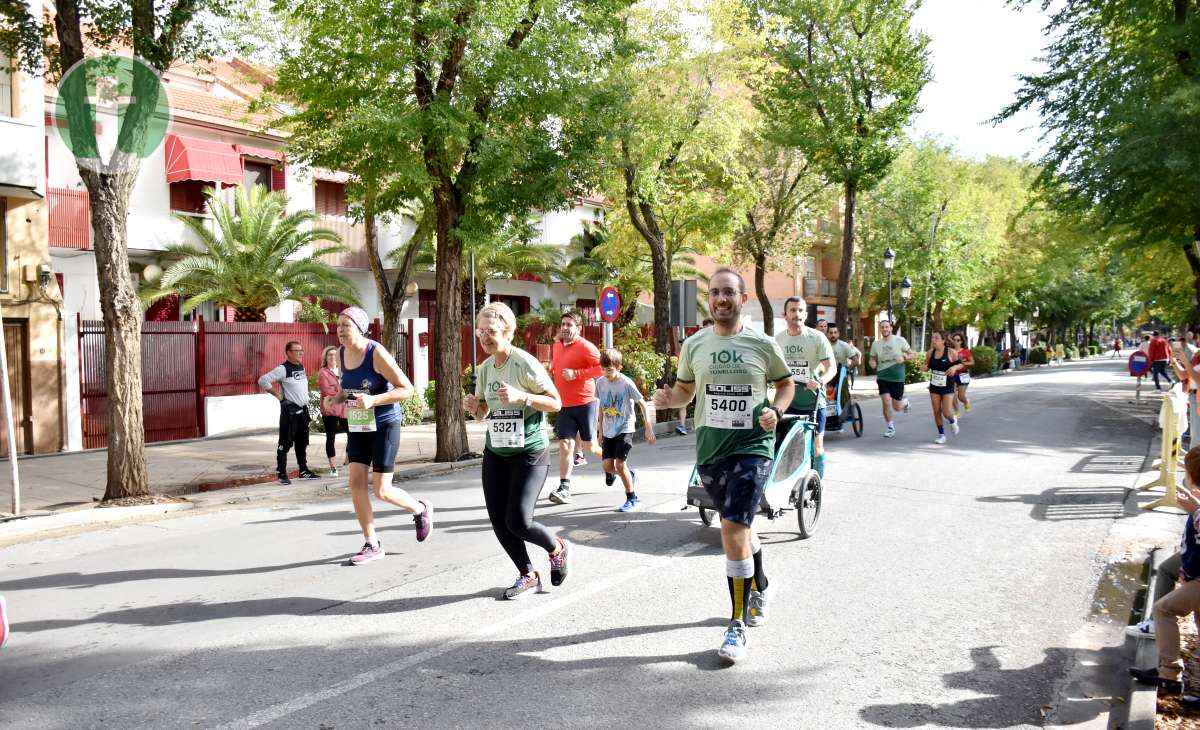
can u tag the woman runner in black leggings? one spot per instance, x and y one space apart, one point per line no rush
514 392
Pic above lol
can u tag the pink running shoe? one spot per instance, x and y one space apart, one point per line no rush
424 521
368 553
3 621
525 584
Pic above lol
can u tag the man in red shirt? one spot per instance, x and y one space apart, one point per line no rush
575 365
1160 358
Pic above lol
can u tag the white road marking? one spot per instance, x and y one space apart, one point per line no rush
283 709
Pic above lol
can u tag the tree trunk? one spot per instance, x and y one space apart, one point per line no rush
760 289
1091 333
662 299
1189 251
843 285
450 420
122 312
1012 331
938 311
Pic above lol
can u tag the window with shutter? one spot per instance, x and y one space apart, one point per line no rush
187 196
6 86
256 173
331 198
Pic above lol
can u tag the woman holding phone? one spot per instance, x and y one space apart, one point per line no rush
372 385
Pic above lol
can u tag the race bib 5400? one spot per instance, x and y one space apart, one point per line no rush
729 406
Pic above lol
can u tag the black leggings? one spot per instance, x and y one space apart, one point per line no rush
333 426
511 485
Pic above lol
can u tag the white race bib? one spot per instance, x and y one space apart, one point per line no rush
938 379
729 406
964 377
506 429
360 420
799 369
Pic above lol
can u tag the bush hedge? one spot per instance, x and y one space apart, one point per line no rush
912 368
1038 356
987 360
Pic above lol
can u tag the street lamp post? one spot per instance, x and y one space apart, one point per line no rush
905 293
889 260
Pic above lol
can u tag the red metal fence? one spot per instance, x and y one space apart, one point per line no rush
183 362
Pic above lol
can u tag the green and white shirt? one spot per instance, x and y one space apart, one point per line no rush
884 351
513 429
731 374
804 354
843 351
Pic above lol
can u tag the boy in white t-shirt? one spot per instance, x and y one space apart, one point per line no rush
615 424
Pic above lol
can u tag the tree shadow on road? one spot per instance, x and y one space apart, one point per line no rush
187 612
1011 696
92 580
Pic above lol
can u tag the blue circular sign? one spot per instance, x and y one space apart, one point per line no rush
610 304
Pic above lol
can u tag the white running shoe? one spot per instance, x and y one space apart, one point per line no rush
1144 630
907 405
889 432
954 428
733 646
941 439
759 605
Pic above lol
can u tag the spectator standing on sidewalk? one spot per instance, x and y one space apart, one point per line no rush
575 365
1160 359
1116 347
1182 601
293 410
333 417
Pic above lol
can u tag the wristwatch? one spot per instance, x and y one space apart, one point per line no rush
778 413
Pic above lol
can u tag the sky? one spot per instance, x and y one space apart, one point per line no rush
977 49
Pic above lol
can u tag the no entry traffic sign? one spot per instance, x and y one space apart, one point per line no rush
610 304
1139 363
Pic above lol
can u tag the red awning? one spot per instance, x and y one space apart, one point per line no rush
260 152
189 158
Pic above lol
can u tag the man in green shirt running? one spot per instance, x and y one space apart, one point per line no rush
729 367
809 356
887 357
847 356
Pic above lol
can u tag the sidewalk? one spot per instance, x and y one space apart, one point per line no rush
57 481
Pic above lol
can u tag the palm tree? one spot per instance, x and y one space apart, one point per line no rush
257 257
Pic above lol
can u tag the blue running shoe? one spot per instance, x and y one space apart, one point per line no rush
733 647
630 505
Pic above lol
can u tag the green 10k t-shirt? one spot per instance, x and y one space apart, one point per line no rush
731 374
513 428
885 350
804 354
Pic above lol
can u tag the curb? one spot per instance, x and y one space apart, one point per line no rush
41 523
1143 699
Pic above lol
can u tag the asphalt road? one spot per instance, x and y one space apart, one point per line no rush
966 585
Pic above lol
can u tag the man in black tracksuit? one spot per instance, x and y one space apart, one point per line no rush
293 410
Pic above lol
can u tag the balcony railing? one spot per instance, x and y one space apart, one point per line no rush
354 237
70 219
